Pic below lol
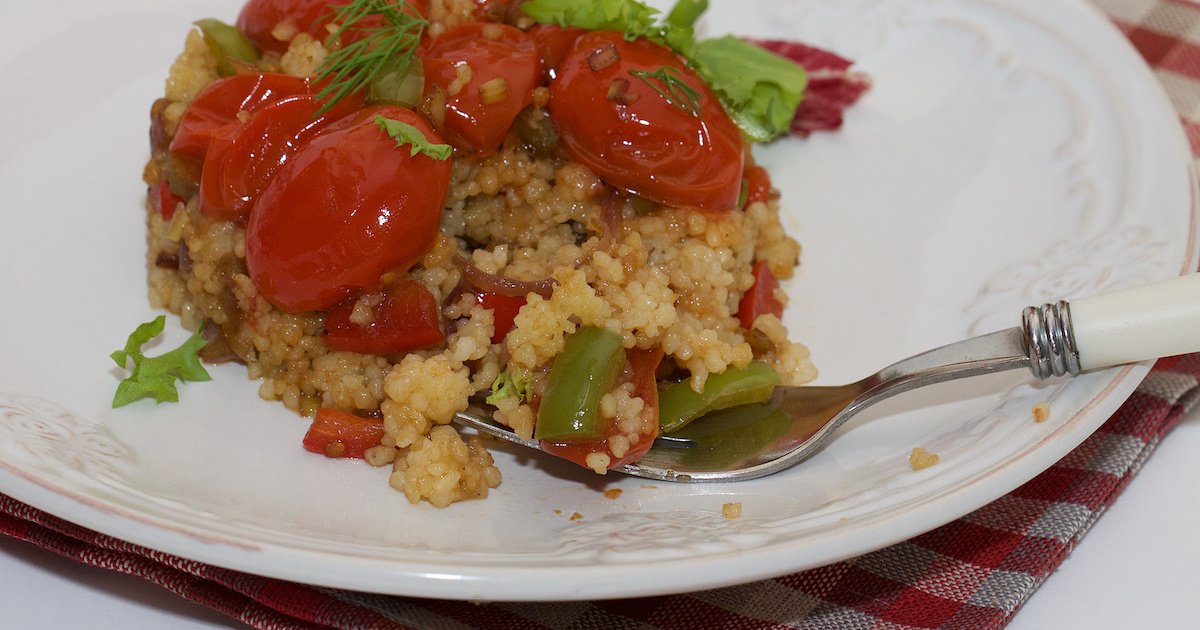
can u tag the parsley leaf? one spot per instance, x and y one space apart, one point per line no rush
404 133
759 89
154 377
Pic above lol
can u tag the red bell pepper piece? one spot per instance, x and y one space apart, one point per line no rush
504 311
166 200
760 297
339 434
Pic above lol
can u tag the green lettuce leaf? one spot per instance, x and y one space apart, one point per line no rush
509 384
759 89
154 377
629 16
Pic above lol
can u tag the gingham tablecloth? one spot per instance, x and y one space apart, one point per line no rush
973 573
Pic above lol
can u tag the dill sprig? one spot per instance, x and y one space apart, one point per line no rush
389 48
669 84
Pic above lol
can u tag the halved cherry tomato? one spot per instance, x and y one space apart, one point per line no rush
502 64
218 104
621 127
244 157
504 311
344 209
407 319
339 434
554 43
259 18
640 369
758 185
760 298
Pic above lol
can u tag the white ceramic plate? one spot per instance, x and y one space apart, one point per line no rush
1011 152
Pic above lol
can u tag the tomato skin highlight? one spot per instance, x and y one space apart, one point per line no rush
495 53
218 104
760 298
338 434
640 369
645 144
407 319
346 208
243 158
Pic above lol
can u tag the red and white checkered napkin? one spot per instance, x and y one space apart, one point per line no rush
972 573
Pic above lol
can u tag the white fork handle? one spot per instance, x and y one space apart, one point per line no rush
1131 325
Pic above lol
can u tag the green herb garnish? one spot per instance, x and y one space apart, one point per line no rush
759 89
669 84
154 377
509 384
387 50
404 133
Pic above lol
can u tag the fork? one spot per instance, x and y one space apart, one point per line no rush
1056 339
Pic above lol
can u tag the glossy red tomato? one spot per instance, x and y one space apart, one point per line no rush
758 185
640 369
503 67
554 43
244 157
260 17
619 126
218 104
346 208
760 298
408 318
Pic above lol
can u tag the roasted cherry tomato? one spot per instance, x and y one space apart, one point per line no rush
218 104
615 117
242 159
339 434
553 44
504 311
346 208
640 369
760 298
408 318
758 185
500 64
259 18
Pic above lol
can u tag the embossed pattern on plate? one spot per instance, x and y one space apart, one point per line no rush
1011 152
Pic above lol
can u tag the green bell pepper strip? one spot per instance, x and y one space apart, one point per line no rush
679 404
586 370
226 42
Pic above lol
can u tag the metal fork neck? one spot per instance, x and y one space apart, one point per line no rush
1049 340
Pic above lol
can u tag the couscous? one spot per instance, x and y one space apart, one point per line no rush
559 216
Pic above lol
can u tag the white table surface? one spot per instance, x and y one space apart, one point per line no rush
1139 567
